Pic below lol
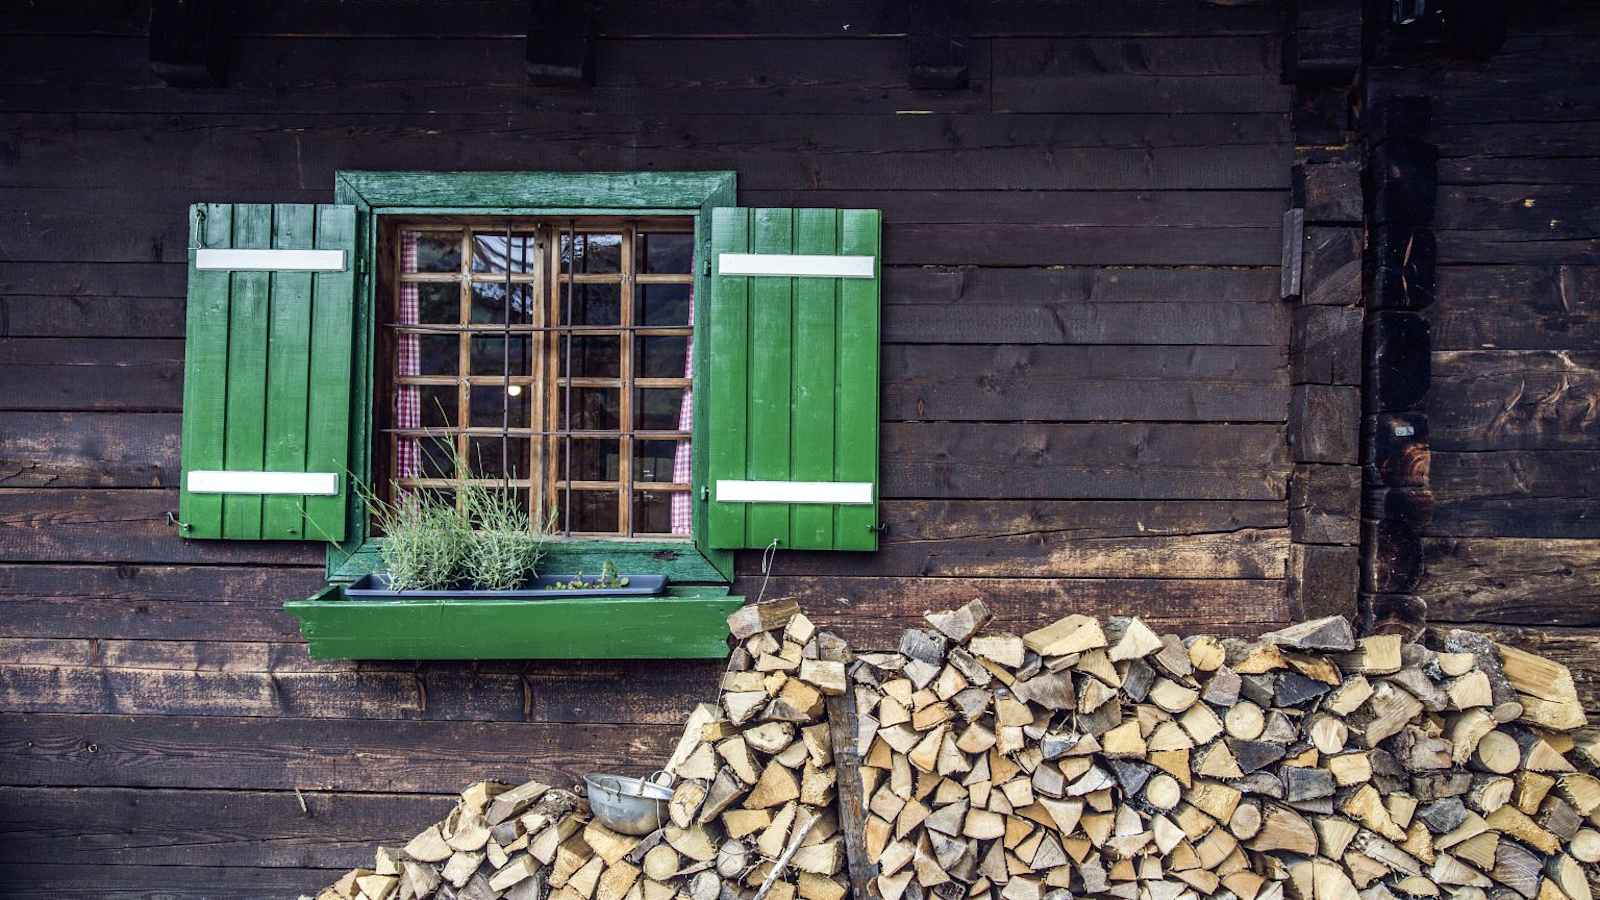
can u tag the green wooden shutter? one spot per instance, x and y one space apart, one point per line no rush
792 388
267 372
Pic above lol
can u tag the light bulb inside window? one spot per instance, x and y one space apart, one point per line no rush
514 390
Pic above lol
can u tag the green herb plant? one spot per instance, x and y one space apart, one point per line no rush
608 579
432 542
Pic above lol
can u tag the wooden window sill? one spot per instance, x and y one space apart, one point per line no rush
687 622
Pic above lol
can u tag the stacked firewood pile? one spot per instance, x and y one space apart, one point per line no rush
1109 760
752 813
1079 759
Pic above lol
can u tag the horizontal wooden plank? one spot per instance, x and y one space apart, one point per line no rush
282 754
1034 245
1181 76
1084 461
1215 345
214 678
55 374
831 151
1550 307
323 75
731 18
87 450
241 603
1481 142
1514 85
58 881
208 828
870 612
1517 493
120 526
1045 382
1492 247
1513 581
1227 324
1514 399
63 300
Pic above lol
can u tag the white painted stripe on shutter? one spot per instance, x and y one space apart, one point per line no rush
849 493
311 484
793 265
270 260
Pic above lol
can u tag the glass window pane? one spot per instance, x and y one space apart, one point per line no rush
592 304
593 409
658 410
493 457
489 303
435 354
489 354
660 356
661 304
592 356
434 455
652 512
490 402
438 303
593 459
655 461
437 404
438 251
591 253
445 495
489 252
591 511
663 253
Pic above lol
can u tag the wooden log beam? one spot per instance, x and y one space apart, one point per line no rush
1403 261
1391 556
1404 172
1399 362
1396 451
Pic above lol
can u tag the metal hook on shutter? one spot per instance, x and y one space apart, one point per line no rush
767 556
174 521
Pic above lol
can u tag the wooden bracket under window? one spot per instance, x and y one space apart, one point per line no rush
560 46
189 42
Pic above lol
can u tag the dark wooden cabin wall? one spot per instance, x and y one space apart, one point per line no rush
1084 395
1514 409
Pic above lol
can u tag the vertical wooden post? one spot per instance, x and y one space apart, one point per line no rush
842 729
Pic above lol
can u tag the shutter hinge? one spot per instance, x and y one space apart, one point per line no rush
705 265
705 492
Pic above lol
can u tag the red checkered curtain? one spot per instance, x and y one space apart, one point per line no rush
408 397
683 459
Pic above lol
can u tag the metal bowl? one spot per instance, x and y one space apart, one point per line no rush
627 805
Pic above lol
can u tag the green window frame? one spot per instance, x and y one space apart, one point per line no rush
690 194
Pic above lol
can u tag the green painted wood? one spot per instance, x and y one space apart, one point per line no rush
810 407
815 382
267 372
771 362
671 627
536 190
374 194
332 317
244 429
722 559
680 561
205 367
289 367
856 456
727 340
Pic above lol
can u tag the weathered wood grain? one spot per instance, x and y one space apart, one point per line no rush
120 526
1235 324
267 680
1088 461
1513 581
1516 307
241 753
41 881
215 828
1576 648
1515 399
1103 539
88 450
48 373
173 602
